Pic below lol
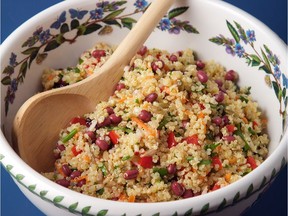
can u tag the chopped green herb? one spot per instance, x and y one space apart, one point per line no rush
211 146
162 171
205 162
213 106
243 99
77 70
103 169
69 136
239 133
210 136
248 92
163 123
137 101
100 191
251 131
189 158
80 61
124 129
127 157
248 170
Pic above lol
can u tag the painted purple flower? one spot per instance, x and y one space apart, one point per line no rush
230 50
97 13
174 30
102 4
165 24
38 31
277 72
239 50
12 60
44 36
277 61
10 95
14 85
251 35
141 4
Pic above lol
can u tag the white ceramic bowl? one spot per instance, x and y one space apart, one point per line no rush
31 48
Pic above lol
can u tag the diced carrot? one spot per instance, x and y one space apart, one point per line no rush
141 124
200 115
131 198
232 160
51 77
227 177
122 197
245 120
149 77
87 158
122 100
79 179
59 170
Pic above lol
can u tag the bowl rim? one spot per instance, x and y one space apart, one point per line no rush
271 160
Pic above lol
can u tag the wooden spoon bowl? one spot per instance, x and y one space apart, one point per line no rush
39 120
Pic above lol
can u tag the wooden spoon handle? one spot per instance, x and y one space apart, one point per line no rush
106 77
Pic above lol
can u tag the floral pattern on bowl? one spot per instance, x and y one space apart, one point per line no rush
103 19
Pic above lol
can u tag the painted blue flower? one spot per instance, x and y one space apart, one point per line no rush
239 50
12 60
164 24
44 36
277 72
284 80
14 85
277 60
97 13
230 50
251 35
141 4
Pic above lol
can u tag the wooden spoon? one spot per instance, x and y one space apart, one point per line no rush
39 120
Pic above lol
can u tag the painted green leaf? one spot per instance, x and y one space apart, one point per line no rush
60 39
222 205
30 50
283 162
205 208
81 30
43 193
1 157
156 214
41 57
9 167
74 24
175 214
217 40
112 22
263 182
23 68
236 197
53 44
249 190
58 199
241 31
19 177
64 28
128 22
284 93
91 28
32 187
265 69
273 174
176 12
233 31
72 207
6 107
189 212
113 14
267 63
102 212
190 29
124 214
6 80
256 61
107 29
32 57
276 89
85 210
8 70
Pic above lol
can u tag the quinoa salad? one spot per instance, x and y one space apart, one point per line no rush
175 127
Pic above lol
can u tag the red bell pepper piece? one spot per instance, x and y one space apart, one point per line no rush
146 162
171 140
252 162
216 161
230 128
192 139
74 151
79 120
113 137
